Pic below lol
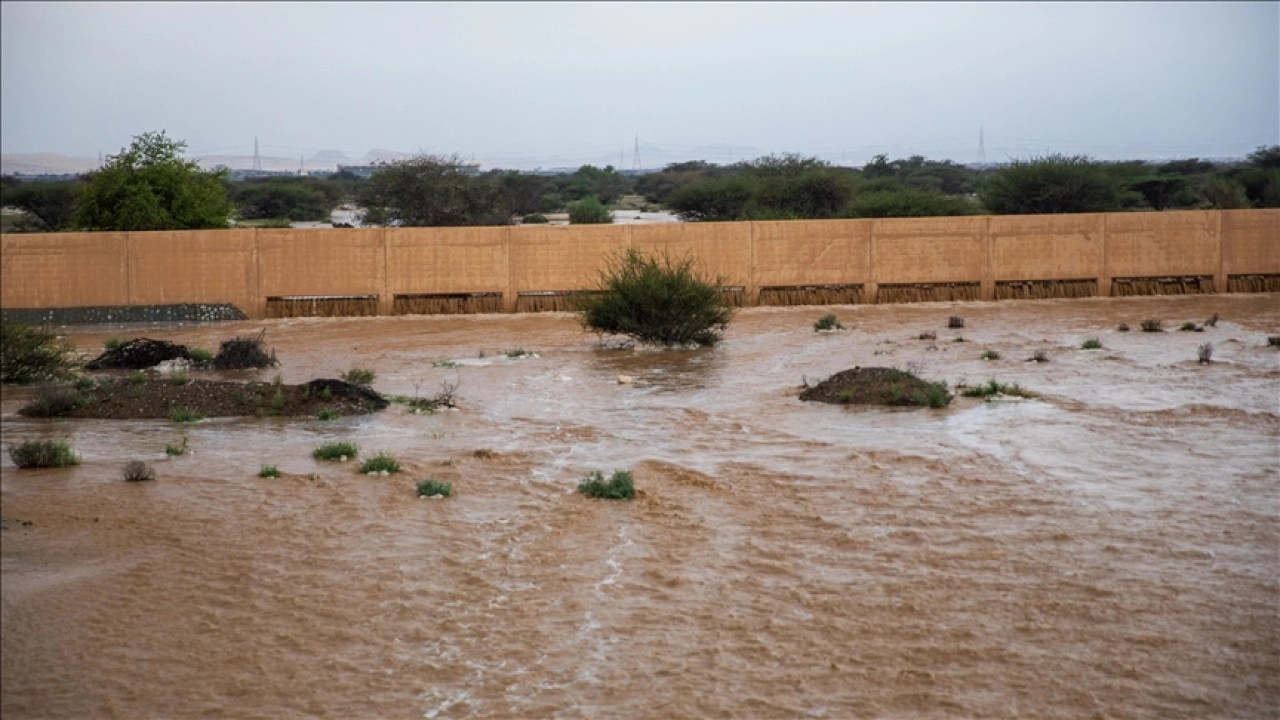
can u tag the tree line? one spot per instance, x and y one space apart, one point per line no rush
151 186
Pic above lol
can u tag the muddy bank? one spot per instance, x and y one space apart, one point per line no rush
1105 549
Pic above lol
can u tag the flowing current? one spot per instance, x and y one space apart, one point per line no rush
1108 548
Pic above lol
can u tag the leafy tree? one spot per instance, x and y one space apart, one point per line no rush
605 184
1267 157
48 206
815 192
712 200
589 211
1160 191
659 302
149 186
433 190
658 187
290 198
1224 193
907 202
1053 184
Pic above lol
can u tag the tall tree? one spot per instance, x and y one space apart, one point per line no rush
1053 184
433 190
149 186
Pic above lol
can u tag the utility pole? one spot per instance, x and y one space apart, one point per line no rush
635 159
982 148
257 159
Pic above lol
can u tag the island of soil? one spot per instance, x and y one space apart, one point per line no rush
877 386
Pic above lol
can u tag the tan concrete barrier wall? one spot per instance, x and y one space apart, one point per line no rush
245 267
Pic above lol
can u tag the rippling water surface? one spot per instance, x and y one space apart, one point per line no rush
1110 548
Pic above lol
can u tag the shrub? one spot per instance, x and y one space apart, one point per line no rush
114 343
518 353
657 302
53 402
138 471
1053 184
269 471
200 355
1205 352
827 322
1152 325
336 451
1091 344
958 339
29 354
621 486
432 487
180 378
43 454
1040 356
534 219
328 413
85 383
176 450
448 364
992 387
243 353
1124 327
1273 341
929 335
955 322
1187 327
185 415
990 355
589 211
935 396
907 202
138 377
382 462
359 376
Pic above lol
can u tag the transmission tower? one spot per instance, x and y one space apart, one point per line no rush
635 159
982 148
257 159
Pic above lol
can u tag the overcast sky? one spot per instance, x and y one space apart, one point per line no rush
563 83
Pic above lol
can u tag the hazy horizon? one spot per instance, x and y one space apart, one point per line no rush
525 85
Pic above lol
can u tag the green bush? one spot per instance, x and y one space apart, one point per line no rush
30 354
382 462
827 322
269 471
328 413
185 415
1091 344
935 396
432 487
336 451
43 454
200 355
990 355
359 376
907 202
1187 327
176 450
621 486
1053 184
992 387
518 353
657 302
589 211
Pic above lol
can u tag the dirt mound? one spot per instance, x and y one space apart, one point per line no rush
877 386
243 353
138 354
326 388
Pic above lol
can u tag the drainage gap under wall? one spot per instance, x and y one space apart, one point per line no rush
322 306
810 295
734 295
1182 285
447 303
928 292
185 312
1253 283
1043 289
552 300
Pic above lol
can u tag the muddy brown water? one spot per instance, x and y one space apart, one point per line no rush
1108 549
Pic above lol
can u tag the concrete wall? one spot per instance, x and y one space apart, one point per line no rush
245 267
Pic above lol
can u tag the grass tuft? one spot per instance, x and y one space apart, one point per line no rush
382 462
929 335
621 486
827 322
432 487
992 387
359 376
1152 325
518 353
1187 327
180 378
185 415
1123 327
328 413
990 355
336 451
200 355
1091 344
448 364
269 471
176 450
43 454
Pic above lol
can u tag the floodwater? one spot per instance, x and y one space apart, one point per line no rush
1109 549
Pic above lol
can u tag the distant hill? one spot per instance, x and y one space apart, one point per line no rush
45 164
328 160
379 155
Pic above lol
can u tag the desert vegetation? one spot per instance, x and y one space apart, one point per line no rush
432 487
336 451
827 323
1091 344
138 471
382 463
43 454
32 354
993 387
619 486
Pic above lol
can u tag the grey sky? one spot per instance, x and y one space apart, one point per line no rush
521 84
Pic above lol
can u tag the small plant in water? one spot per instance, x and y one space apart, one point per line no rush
827 322
269 471
930 335
185 415
1124 327
359 376
382 462
990 355
328 413
336 451
1152 325
518 353
432 487
935 396
955 322
993 387
1273 341
1091 344
448 364
1205 352
138 471
200 355
1187 327
175 450
1040 356
43 454
621 486
958 339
